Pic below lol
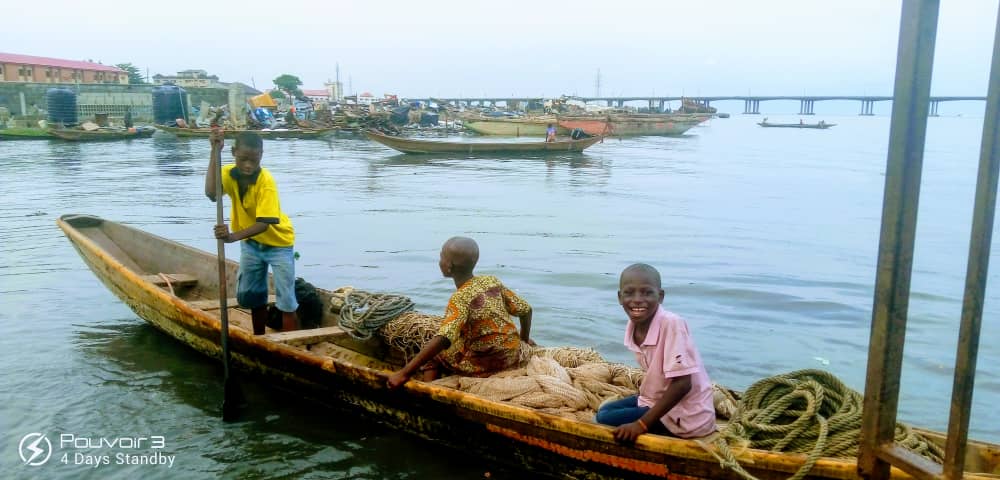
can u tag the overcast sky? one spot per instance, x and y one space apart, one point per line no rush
513 47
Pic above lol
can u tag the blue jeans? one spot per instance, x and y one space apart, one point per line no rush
251 286
620 412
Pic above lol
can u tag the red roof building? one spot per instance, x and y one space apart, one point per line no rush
28 68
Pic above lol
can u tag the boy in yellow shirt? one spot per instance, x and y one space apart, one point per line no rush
266 232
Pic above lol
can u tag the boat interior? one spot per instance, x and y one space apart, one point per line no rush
191 275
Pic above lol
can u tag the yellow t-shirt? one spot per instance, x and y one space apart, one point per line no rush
258 204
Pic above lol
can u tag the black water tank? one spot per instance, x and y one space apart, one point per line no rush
61 104
168 104
428 119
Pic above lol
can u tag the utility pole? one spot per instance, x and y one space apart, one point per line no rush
597 84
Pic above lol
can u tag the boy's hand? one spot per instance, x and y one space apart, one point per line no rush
217 138
629 432
397 379
222 233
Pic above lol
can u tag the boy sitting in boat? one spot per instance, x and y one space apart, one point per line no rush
266 232
675 397
477 337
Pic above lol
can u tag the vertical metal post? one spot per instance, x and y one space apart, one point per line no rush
915 57
975 277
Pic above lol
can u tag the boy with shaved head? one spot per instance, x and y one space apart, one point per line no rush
477 337
675 397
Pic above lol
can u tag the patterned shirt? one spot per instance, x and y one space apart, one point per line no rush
477 321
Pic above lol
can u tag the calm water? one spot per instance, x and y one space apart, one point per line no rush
766 239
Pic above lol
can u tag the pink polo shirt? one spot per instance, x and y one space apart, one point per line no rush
667 352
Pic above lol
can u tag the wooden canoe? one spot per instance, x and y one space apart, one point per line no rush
284 133
174 287
633 124
512 127
25 134
409 145
820 126
75 135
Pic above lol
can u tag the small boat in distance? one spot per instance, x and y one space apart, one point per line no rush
230 133
822 125
410 145
79 135
25 133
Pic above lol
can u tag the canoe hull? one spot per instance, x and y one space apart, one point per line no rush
97 136
511 127
634 125
797 125
25 134
407 145
205 132
122 257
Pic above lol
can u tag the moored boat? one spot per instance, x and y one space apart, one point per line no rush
174 287
80 135
231 133
410 145
634 124
25 134
514 127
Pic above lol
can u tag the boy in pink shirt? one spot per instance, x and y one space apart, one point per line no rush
675 397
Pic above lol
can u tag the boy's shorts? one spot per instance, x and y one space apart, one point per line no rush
251 286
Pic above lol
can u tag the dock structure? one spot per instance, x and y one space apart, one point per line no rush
751 104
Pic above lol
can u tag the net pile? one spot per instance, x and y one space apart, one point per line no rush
807 411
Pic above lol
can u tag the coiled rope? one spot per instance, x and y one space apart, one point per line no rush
805 411
363 313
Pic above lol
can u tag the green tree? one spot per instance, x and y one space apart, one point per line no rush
276 94
134 75
289 84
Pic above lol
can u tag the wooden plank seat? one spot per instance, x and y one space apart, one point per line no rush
175 279
309 336
213 303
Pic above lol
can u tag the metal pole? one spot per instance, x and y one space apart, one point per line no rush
975 277
915 57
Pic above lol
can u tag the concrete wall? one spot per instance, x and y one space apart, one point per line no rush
18 98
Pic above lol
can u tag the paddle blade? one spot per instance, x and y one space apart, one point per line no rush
233 400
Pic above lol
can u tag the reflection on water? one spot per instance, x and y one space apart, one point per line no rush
766 244
173 157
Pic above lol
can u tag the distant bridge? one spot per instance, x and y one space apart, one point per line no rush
751 103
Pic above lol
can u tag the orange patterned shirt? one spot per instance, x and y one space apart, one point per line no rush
477 321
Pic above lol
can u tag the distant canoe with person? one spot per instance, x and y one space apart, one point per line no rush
821 125
411 145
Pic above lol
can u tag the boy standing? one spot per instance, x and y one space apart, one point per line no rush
267 234
675 397
477 337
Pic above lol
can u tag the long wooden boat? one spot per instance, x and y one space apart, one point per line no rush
409 145
174 287
281 133
79 135
25 134
820 125
513 127
633 124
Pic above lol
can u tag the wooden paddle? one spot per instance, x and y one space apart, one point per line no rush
232 398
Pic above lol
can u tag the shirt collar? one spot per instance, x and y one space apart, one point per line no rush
238 175
652 335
